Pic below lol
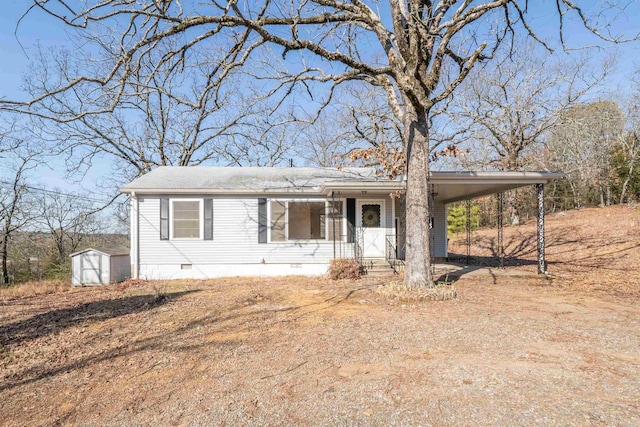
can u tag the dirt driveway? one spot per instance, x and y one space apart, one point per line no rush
300 351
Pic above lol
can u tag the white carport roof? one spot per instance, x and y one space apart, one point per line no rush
449 187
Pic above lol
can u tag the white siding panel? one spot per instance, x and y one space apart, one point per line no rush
235 239
75 275
440 230
105 269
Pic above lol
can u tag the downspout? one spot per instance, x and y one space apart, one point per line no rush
135 237
333 219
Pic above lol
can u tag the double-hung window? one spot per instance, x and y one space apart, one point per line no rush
186 219
305 220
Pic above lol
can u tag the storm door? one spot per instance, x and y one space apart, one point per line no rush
371 223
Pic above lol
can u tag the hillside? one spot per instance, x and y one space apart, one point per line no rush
510 350
595 249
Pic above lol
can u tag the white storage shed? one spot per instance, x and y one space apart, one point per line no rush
100 266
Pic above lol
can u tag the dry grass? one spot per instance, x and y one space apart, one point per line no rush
398 291
311 351
28 289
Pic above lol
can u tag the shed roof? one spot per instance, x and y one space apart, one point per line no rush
107 251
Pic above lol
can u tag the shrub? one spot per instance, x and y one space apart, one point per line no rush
457 218
344 269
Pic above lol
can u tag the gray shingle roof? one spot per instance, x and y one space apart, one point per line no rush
244 179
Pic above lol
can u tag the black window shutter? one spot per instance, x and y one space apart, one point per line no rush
262 220
164 219
351 219
208 219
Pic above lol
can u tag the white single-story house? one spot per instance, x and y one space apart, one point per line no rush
202 222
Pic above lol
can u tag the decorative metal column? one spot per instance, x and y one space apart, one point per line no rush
468 230
542 265
500 229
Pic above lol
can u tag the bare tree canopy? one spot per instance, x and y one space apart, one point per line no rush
418 52
16 202
581 145
509 105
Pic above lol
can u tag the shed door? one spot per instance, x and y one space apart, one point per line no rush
90 269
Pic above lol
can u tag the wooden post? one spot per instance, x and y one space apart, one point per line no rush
542 266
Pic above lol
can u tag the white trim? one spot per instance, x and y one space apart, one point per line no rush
200 218
135 233
393 216
383 221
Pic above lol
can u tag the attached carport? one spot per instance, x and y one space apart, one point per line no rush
451 187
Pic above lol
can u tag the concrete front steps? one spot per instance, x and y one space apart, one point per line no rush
377 267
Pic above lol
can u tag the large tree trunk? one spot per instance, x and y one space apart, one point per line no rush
418 253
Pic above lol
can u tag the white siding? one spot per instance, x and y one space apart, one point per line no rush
439 230
234 249
235 239
75 271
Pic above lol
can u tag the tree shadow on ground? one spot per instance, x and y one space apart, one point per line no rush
54 321
252 314
560 245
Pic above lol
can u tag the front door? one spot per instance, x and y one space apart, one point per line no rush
371 223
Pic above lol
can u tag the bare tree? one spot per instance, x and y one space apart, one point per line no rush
581 146
628 149
418 52
628 154
161 118
360 118
510 105
15 202
69 219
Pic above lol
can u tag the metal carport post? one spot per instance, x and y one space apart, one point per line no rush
542 266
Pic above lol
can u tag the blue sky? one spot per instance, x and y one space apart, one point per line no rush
38 28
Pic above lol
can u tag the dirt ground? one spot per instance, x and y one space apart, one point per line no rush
563 350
